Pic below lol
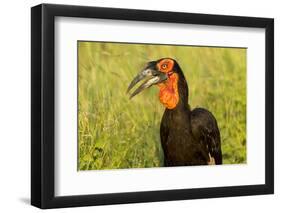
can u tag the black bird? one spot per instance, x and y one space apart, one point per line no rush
188 137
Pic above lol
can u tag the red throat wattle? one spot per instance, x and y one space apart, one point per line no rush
168 94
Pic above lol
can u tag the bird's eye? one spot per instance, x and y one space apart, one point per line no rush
164 66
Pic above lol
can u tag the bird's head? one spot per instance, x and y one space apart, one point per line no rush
165 73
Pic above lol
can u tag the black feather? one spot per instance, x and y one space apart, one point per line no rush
189 137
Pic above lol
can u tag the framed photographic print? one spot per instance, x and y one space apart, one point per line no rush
139 106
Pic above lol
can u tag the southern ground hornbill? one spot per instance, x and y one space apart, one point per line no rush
188 137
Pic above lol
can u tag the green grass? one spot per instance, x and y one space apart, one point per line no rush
115 132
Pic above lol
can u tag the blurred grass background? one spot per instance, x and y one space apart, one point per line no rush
115 132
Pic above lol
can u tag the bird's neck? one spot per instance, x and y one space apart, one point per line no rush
174 92
179 114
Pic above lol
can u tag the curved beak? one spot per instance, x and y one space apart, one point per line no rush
151 77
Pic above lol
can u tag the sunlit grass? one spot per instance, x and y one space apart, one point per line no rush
115 132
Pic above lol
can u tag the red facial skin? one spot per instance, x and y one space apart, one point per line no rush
168 94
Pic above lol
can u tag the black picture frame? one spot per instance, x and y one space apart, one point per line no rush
43 102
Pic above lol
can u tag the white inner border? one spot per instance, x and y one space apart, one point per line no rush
68 181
